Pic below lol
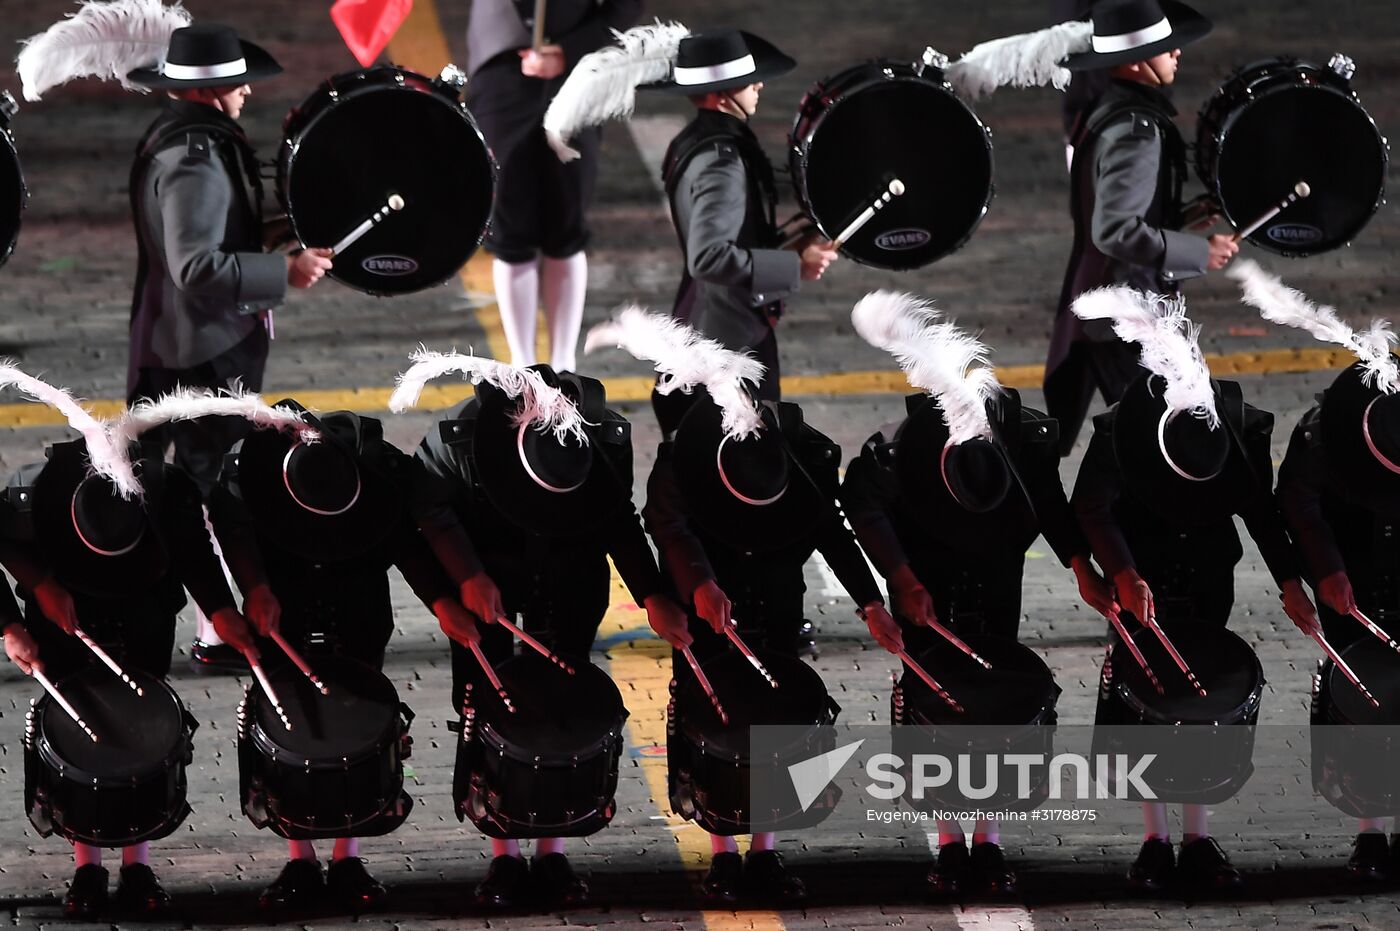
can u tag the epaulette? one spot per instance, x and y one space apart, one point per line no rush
198 145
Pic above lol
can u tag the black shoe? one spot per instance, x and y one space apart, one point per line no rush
87 893
721 884
1203 864
138 892
216 659
949 872
299 885
988 872
555 883
506 884
1370 858
1153 869
768 880
351 885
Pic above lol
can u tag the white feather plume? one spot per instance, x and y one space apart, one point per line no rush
937 357
603 85
542 406
686 360
107 459
191 403
102 39
1169 342
1278 303
1031 59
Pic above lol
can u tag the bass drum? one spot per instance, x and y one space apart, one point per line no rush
13 194
366 135
1280 121
858 130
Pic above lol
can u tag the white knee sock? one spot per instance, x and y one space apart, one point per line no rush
721 844
563 284
1375 825
346 847
505 847
300 850
517 295
986 831
86 854
136 853
1195 822
548 845
950 832
1154 821
766 840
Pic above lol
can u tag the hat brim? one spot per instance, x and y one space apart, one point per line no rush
1344 445
325 538
1187 26
768 62
748 527
76 566
260 65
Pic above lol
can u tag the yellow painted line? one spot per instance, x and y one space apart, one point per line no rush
419 45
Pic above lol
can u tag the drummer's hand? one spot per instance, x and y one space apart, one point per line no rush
816 255
233 629
1222 250
1093 587
456 622
545 63
883 628
1335 592
1135 596
308 267
712 605
57 605
1299 607
911 599
482 598
262 608
22 650
668 620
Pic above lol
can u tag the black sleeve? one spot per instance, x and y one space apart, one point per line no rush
9 607
627 545
233 526
1261 514
682 555
595 30
1299 496
1039 467
434 480
837 543
868 495
1096 491
181 518
412 556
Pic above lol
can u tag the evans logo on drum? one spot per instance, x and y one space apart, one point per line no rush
389 266
902 240
1292 234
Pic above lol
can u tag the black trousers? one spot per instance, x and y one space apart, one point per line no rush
200 445
1110 367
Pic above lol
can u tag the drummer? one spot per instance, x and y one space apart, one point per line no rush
1167 469
320 524
85 555
1337 489
946 505
543 513
1126 175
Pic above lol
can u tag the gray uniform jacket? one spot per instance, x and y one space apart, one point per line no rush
202 276
722 204
578 26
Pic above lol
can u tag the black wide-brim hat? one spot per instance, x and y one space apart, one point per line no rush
1151 478
1349 457
794 516
501 468
78 566
1128 31
207 55
721 60
378 509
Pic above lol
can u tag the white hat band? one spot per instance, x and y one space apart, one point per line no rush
227 69
1131 40
708 74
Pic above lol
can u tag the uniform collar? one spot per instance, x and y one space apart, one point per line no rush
1155 97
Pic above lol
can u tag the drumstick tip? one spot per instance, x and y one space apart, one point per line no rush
896 187
1302 189
396 202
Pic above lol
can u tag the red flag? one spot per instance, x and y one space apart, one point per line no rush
368 25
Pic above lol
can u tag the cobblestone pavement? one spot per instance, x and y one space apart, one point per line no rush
63 309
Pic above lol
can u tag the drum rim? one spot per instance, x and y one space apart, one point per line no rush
7 249
1049 703
705 746
1246 712
1333 677
268 747
70 772
483 728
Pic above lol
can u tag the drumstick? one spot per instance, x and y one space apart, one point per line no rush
107 660
491 676
537 36
62 702
738 641
705 684
1300 190
1178 659
394 203
300 663
896 188
957 642
534 644
1135 650
1374 628
931 682
270 692
1342 665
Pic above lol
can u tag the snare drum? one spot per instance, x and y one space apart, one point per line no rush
549 768
126 788
13 194
1355 746
365 135
1009 708
709 764
857 130
1204 745
1277 122
339 771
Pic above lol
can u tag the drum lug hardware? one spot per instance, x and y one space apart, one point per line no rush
398 78
888 72
930 58
452 77
8 105
1343 65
